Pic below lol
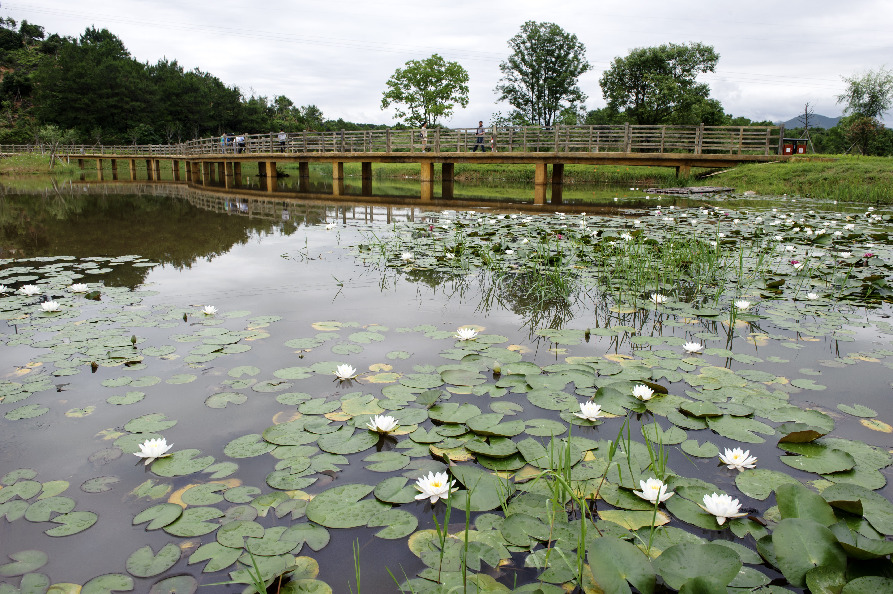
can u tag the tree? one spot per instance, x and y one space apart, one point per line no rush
869 95
867 98
539 79
658 85
429 89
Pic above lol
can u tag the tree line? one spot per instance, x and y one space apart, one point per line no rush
650 85
91 90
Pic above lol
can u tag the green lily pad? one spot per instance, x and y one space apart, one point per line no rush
159 515
759 483
181 463
398 523
685 561
108 583
340 507
72 523
813 457
194 521
145 563
23 562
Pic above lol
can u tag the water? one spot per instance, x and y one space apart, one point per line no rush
274 259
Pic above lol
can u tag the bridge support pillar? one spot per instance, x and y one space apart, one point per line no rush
366 170
446 180
271 183
132 169
304 170
683 170
81 164
337 170
237 172
156 174
206 172
99 169
114 168
338 187
539 175
366 187
149 169
557 174
539 194
175 169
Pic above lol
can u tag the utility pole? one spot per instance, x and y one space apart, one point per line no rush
808 112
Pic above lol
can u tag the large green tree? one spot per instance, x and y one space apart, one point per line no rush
867 98
425 91
658 85
540 77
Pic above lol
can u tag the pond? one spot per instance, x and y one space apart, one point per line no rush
550 359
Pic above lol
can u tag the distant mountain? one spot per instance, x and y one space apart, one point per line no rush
815 121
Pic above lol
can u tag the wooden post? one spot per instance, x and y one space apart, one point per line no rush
663 133
740 139
157 168
781 139
149 170
237 172
337 170
206 172
555 141
304 138
683 170
388 140
699 139
366 170
132 169
342 141
99 169
175 168
437 140
627 139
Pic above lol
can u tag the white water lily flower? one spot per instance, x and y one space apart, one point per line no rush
626 237
78 288
49 306
30 290
345 372
845 254
466 333
589 411
657 298
738 459
692 347
382 423
209 310
434 486
849 226
509 252
798 265
722 506
5 289
654 490
406 256
331 226
812 296
525 240
152 449
643 392
742 304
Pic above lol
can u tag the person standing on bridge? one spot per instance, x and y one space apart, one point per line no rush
240 143
479 142
223 142
423 136
282 138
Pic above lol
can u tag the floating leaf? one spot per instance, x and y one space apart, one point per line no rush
145 563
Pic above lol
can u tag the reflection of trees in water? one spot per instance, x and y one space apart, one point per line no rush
164 229
542 299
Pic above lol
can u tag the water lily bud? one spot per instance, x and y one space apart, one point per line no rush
133 340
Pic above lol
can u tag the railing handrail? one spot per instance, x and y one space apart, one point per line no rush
700 139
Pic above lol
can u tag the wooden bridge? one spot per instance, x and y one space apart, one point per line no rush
219 161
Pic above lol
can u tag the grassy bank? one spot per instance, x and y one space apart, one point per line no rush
29 164
828 177
601 174
831 177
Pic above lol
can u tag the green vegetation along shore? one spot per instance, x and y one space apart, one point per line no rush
845 178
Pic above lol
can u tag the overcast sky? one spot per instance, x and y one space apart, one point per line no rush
775 55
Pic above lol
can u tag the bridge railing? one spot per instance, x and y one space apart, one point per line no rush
746 140
741 140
